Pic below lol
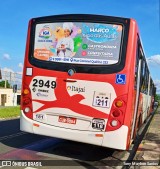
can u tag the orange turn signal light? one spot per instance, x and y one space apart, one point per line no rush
119 103
25 91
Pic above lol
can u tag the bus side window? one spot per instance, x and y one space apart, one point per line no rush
136 66
151 87
146 79
142 85
144 73
139 55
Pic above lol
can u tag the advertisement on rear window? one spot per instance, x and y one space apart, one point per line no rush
78 43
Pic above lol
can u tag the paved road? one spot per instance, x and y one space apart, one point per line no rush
9 127
12 138
18 145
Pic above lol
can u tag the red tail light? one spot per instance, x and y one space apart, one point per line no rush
26 101
117 113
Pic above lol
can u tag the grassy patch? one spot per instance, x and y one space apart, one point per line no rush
156 109
7 112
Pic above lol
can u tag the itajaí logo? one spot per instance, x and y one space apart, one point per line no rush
45 32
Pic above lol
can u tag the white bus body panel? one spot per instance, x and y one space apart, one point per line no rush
114 139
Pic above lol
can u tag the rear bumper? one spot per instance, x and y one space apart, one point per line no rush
113 139
116 139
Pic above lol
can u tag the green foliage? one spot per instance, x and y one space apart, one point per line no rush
157 97
2 84
7 112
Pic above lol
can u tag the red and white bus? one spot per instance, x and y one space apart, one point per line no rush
85 79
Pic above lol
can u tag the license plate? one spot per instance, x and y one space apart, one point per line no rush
101 99
98 124
69 120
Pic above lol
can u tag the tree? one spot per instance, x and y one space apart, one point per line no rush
157 97
2 84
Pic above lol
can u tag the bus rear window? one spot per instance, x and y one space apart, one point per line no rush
78 43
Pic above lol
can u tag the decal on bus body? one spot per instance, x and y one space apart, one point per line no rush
86 98
98 95
42 88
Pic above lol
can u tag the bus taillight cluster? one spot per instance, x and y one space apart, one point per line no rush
116 116
27 104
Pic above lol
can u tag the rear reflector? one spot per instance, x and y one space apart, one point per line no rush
36 125
99 135
29 71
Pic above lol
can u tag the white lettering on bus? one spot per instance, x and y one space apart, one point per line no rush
100 30
102 46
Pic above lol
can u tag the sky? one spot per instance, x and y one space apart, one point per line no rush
15 14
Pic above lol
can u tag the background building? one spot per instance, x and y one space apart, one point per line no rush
9 98
8 95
